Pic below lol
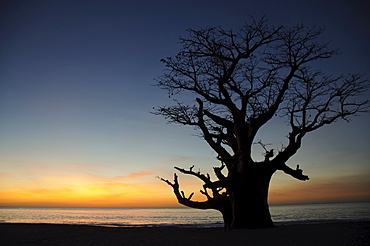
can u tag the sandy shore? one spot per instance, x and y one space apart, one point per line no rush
343 233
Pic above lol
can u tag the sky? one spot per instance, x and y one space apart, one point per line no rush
76 92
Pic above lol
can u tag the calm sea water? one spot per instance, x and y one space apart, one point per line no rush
284 214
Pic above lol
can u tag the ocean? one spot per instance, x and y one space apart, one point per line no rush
282 214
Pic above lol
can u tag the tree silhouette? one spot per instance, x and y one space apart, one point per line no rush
241 80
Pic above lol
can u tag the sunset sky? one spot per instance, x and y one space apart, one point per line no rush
76 94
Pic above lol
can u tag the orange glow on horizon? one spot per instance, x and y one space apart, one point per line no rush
104 195
140 195
132 190
325 190
142 190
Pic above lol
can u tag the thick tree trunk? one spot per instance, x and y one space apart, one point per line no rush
244 205
249 198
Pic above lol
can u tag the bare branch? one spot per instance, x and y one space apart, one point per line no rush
199 175
218 172
181 198
297 173
208 136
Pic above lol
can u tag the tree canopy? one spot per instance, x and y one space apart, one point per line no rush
242 79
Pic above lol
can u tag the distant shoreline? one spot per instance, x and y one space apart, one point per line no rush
190 226
183 217
175 207
339 233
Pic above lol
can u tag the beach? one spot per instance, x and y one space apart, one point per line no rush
339 233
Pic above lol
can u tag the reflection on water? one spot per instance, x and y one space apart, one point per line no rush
179 216
321 212
112 216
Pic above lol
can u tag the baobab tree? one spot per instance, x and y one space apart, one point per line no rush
240 80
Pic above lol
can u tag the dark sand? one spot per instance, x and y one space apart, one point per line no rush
342 233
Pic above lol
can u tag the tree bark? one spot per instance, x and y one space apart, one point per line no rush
249 197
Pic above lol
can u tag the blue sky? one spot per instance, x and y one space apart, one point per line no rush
76 91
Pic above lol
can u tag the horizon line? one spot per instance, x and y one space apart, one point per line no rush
289 204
